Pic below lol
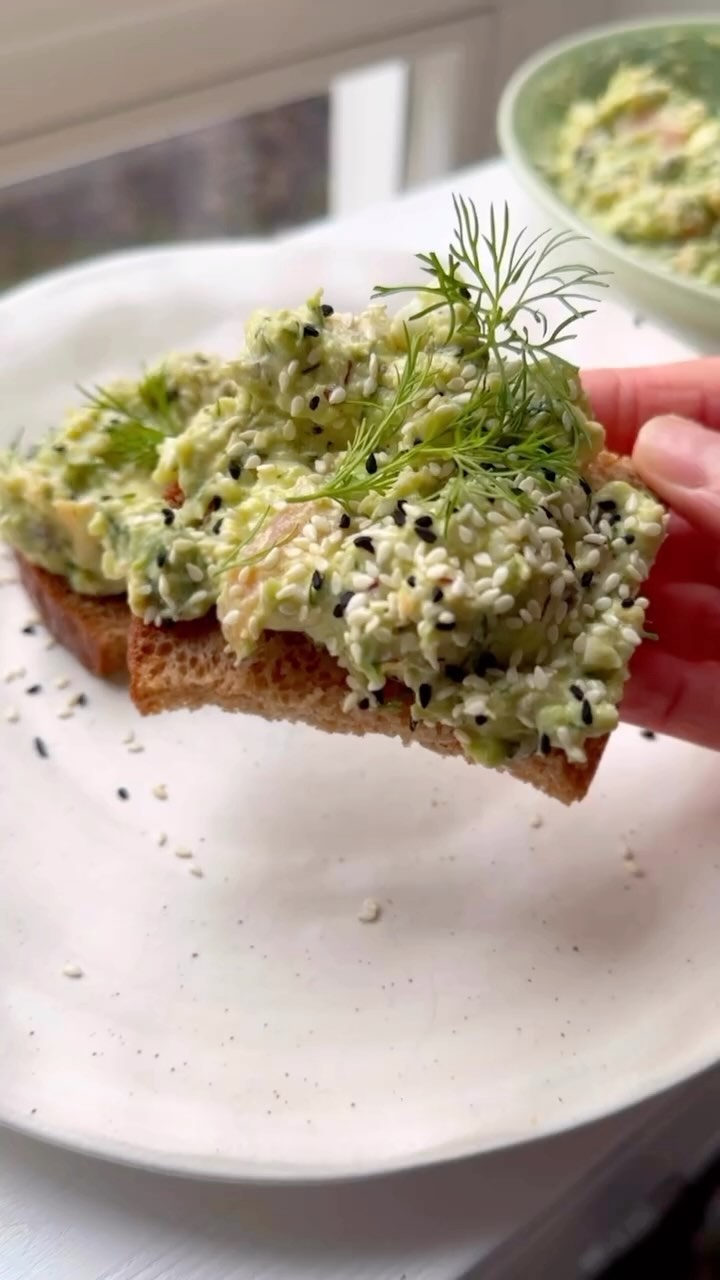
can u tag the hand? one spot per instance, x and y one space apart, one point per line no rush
655 414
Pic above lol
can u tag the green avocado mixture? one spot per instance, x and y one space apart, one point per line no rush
643 162
417 493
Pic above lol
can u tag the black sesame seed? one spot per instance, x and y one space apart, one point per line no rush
615 518
168 515
411 580
41 748
445 626
464 291
371 465
585 487
310 368
648 733
379 696
437 595
569 559
342 604
217 526
586 712
365 543
481 720
235 470
629 538
34 688
426 535
216 503
456 674
313 403
607 504
549 474
317 580
344 520
364 704
627 603
161 557
309 331
123 793
545 745
81 700
484 663
577 692
326 309
29 630
424 522
424 695
546 511
586 579
399 516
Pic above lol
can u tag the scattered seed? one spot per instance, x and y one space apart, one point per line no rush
123 793
370 911
197 871
649 734
41 748
183 853
34 688
72 970
160 791
12 715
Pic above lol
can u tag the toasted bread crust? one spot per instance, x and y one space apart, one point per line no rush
187 666
94 628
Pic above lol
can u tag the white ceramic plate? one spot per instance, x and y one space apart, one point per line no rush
520 980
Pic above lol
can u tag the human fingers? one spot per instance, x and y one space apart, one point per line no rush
680 461
674 695
623 399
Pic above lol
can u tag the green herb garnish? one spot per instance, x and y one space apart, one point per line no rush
139 422
522 418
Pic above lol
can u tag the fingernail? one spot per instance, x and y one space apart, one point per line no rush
675 451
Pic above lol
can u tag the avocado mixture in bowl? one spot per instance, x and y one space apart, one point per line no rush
423 494
643 162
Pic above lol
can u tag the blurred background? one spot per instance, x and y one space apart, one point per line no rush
160 120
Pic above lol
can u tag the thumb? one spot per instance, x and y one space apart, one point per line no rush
680 461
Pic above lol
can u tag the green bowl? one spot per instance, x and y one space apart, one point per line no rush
533 106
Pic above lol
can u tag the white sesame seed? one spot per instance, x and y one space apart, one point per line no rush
631 636
456 384
490 596
503 604
548 533
16 674
72 970
161 839
631 505
62 682
540 677
592 559
283 381
516 658
494 517
373 365
369 387
500 576
297 406
194 572
289 431
465 535
568 511
183 852
160 791
652 529
337 396
558 585
136 748
12 715
252 462
579 644
362 581
553 633
197 871
611 582
594 539
370 911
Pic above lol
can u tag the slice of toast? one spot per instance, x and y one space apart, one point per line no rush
289 678
94 628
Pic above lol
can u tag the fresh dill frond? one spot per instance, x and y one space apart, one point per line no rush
137 422
523 416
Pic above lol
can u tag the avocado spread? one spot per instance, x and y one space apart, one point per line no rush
642 161
416 492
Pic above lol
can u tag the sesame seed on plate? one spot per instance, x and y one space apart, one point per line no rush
160 791
72 970
12 715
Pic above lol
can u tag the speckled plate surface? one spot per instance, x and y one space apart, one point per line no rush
522 978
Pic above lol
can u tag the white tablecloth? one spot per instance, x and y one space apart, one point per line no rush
66 1217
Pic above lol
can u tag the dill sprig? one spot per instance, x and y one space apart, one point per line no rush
137 423
523 416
